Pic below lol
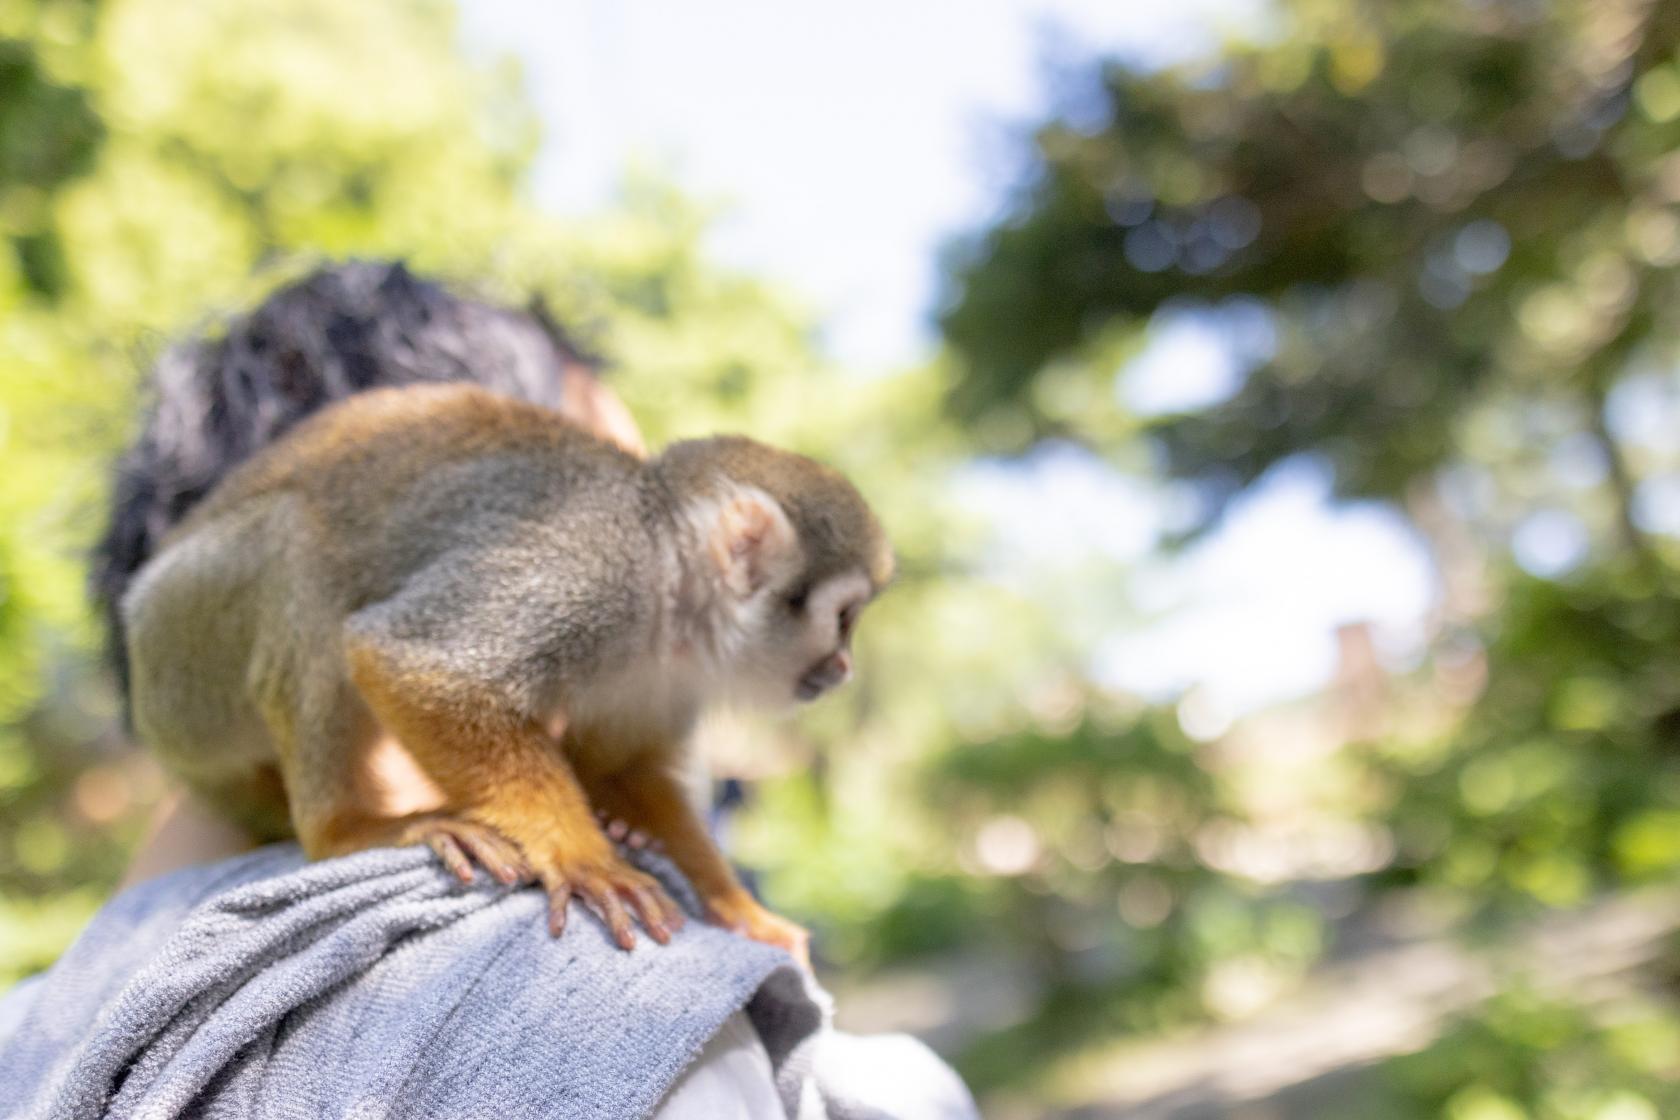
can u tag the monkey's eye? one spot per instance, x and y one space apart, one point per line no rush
796 601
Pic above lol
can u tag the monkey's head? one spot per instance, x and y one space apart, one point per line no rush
792 554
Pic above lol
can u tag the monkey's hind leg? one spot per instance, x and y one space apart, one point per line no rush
192 622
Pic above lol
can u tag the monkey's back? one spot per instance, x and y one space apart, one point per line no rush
397 475
235 627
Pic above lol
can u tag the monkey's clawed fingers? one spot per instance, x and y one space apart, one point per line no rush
460 844
613 893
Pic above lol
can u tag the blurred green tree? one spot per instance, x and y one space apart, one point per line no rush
1460 222
49 131
1457 225
1439 205
1526 1055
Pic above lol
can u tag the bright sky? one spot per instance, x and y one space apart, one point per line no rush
848 142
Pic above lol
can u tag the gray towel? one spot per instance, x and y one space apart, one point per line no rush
377 986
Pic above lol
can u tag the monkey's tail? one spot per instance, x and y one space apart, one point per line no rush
216 399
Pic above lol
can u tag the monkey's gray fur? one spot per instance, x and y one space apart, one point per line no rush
342 329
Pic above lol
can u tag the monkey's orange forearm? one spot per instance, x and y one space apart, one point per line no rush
501 770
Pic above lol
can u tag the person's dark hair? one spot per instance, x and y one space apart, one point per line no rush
343 329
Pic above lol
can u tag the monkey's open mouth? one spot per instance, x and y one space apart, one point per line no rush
810 687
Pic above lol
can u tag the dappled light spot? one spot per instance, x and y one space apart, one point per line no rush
1481 247
1144 901
1006 846
1152 247
1550 543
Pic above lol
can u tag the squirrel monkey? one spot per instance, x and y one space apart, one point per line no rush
537 616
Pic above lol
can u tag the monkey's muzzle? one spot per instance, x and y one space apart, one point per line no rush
830 671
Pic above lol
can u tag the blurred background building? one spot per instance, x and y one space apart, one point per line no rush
1273 404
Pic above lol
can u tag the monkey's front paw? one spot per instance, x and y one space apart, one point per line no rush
607 886
745 916
460 843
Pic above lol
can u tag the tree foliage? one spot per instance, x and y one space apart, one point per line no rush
1460 223
1437 203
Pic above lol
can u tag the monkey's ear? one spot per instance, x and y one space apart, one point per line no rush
751 541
